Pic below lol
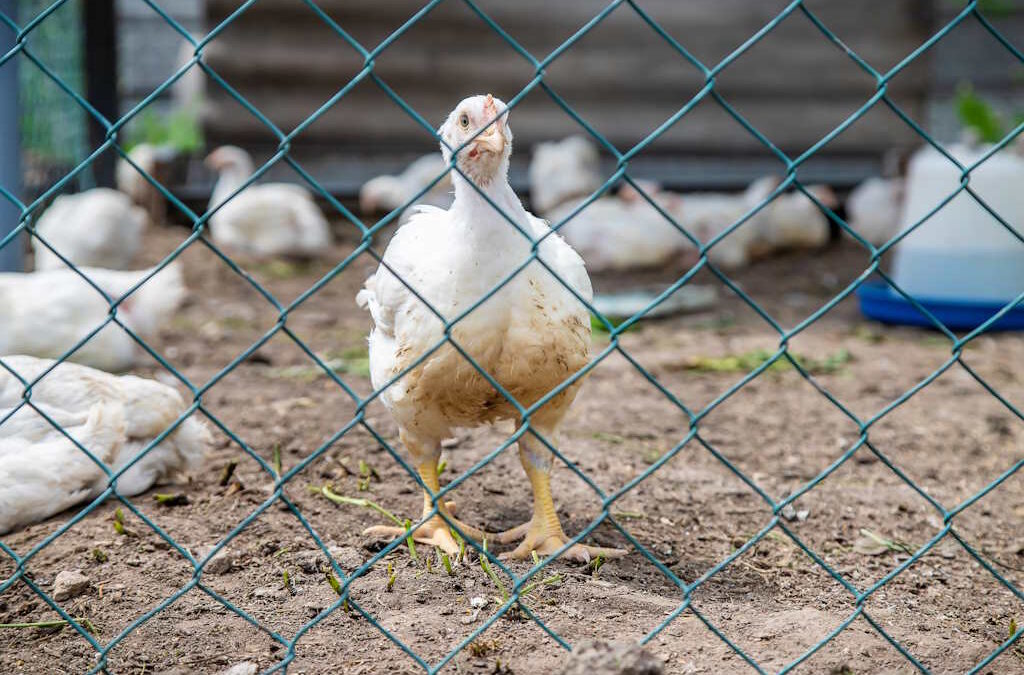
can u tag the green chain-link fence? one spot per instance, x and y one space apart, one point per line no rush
29 33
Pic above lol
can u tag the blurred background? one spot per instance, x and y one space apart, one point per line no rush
794 85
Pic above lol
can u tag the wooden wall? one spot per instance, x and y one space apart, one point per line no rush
794 85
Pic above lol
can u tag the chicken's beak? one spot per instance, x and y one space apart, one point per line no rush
492 140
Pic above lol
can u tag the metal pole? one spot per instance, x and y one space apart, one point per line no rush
11 255
101 79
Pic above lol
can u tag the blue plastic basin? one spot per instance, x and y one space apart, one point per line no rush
878 301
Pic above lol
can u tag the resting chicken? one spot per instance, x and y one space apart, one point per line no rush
99 228
42 472
45 314
264 219
531 336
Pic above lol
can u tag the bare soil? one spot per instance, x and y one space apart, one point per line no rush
952 438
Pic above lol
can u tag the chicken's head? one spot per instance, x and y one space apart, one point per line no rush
230 158
486 155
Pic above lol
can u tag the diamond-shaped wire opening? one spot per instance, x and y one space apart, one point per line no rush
773 567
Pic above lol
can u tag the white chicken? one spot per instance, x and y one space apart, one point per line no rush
265 219
611 233
874 209
530 336
792 221
561 171
623 233
45 314
99 227
43 473
705 215
387 193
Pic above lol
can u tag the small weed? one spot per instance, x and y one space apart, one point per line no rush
1013 626
480 647
486 567
355 361
609 438
119 524
287 579
870 543
327 492
534 585
868 334
446 561
462 546
177 499
366 472
99 555
652 456
596 564
276 455
227 472
408 539
748 361
391 577
597 326
333 581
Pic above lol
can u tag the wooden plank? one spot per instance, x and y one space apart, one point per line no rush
373 121
795 85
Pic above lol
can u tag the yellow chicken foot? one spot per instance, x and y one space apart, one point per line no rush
544 533
435 531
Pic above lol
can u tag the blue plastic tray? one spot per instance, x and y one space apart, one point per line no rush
878 301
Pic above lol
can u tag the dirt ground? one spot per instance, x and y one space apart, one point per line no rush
952 438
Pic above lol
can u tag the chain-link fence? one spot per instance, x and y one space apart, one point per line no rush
31 31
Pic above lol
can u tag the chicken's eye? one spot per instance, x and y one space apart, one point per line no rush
464 121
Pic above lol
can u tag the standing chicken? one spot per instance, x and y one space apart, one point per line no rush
42 472
99 228
264 219
531 335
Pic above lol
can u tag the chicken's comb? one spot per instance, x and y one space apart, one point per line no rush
491 109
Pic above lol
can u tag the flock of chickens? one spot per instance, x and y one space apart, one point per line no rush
532 336
623 231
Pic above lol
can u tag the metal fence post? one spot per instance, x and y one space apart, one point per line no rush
101 79
10 148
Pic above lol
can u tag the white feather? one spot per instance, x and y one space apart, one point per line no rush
874 209
43 473
98 228
530 335
264 219
563 171
387 193
45 314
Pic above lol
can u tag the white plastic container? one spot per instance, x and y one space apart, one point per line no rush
962 253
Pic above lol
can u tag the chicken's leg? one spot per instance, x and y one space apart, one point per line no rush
544 533
435 530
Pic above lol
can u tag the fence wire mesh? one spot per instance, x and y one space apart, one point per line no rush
31 36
